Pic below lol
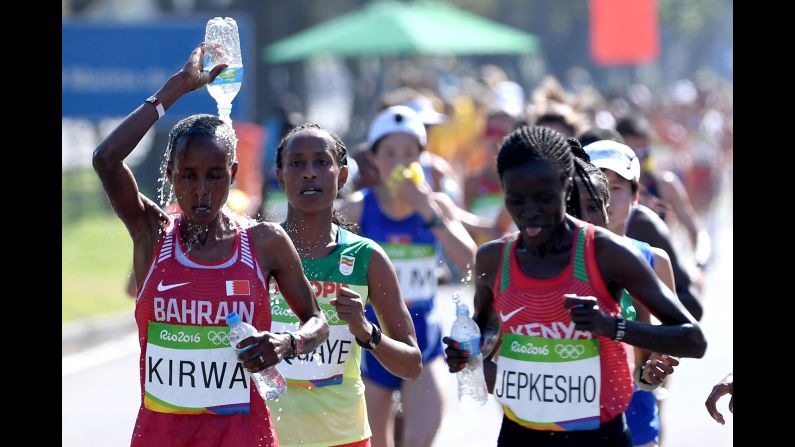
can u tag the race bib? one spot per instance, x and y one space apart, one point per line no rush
415 266
549 384
193 370
324 366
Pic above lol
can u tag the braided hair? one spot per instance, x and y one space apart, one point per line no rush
340 156
598 180
585 170
527 144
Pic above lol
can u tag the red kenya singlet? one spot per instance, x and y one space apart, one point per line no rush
550 375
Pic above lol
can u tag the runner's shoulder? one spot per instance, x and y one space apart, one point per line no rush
357 243
490 253
267 233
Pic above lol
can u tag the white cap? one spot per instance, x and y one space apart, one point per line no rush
397 119
424 108
617 157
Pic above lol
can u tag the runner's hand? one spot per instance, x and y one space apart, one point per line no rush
350 308
658 367
726 386
269 349
587 316
456 358
419 197
194 72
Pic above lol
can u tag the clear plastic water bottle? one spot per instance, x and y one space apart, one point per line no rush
472 391
270 382
222 46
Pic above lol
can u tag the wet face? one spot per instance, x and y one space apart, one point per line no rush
591 211
310 175
396 149
535 196
201 177
621 201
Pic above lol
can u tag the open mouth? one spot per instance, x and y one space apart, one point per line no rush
532 231
199 209
311 191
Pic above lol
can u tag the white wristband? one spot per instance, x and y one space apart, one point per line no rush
156 102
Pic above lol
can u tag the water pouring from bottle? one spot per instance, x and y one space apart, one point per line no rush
222 46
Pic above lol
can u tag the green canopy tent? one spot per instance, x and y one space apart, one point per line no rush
388 28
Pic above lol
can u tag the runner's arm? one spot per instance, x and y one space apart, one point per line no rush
454 238
397 351
484 314
276 249
663 270
648 227
673 191
108 159
622 266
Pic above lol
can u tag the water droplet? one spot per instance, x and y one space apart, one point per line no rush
456 297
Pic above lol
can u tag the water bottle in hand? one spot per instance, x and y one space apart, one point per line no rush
222 46
270 383
472 391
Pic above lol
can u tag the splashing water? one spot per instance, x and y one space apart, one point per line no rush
466 281
456 297
164 184
243 219
195 235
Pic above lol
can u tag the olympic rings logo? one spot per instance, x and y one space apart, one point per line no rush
570 351
218 338
331 316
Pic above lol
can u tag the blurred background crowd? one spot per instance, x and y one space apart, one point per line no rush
579 63
657 71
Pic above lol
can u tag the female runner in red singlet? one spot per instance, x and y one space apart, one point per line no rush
563 375
193 268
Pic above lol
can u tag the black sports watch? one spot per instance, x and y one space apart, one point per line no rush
374 339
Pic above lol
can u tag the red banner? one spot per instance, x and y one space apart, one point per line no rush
624 31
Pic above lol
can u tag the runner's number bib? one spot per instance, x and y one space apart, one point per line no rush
415 266
323 366
193 370
549 384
